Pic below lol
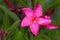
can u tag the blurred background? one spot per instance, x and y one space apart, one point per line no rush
11 16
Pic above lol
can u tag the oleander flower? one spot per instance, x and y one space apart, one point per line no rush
33 19
50 26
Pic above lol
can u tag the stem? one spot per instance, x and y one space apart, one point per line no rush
31 36
32 1
1 38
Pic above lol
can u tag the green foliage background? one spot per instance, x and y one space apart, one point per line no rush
10 22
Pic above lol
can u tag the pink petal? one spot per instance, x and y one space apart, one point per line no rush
25 22
34 29
47 17
38 10
50 27
28 12
44 21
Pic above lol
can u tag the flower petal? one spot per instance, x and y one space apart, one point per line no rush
25 22
44 21
50 27
38 10
28 12
47 17
34 29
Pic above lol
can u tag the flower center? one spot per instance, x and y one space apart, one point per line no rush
34 19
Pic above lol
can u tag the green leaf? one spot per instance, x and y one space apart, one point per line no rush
1 18
13 26
22 2
42 36
42 2
19 35
12 29
52 4
35 2
11 14
56 16
6 22
29 3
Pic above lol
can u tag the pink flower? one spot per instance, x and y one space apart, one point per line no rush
33 19
50 27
